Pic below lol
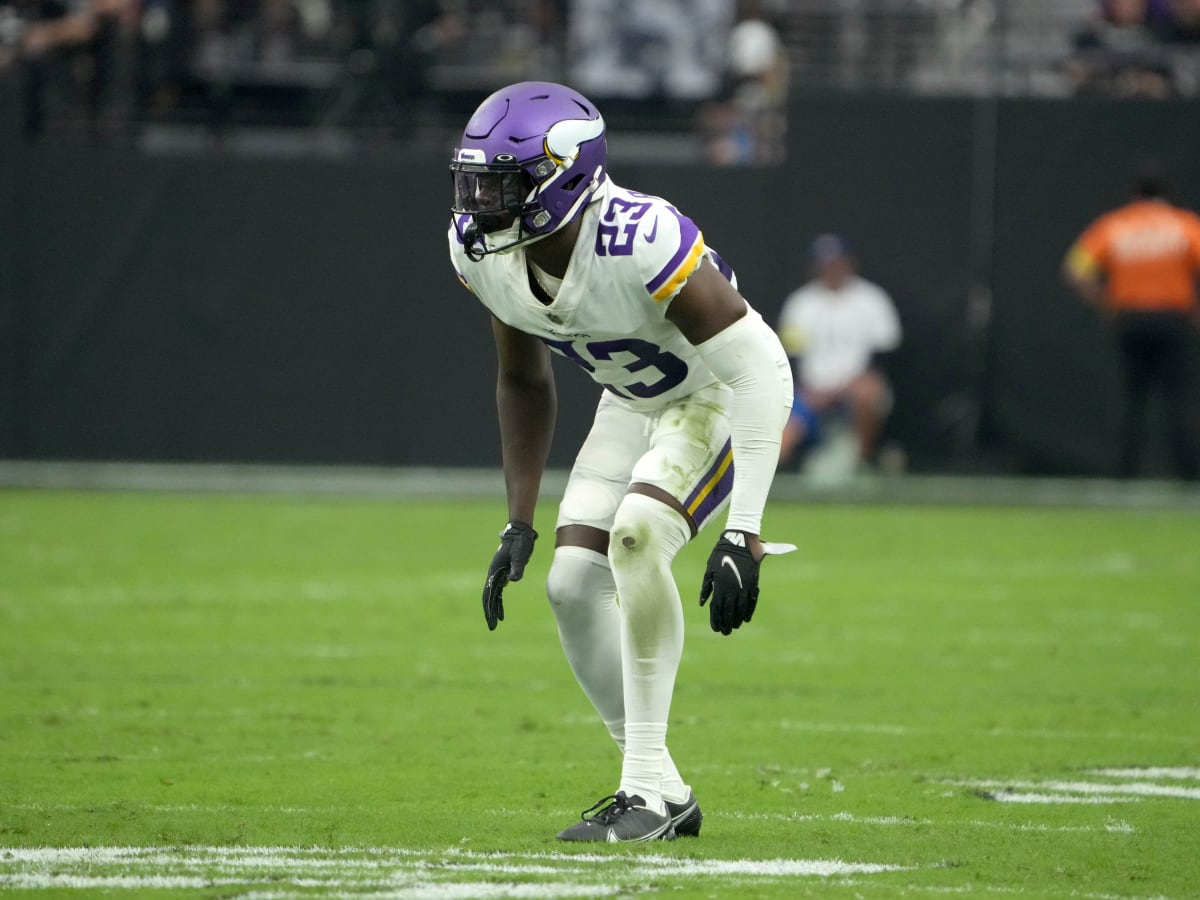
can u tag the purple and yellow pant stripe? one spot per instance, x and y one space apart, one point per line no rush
713 488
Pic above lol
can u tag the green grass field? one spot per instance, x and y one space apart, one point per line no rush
217 695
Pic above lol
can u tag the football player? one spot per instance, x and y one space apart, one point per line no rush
623 285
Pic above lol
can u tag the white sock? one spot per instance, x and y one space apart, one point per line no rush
674 788
646 536
642 766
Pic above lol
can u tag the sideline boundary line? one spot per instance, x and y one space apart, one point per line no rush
488 483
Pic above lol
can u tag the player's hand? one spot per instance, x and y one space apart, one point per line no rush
516 546
731 580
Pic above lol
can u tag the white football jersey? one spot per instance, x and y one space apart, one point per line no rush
633 254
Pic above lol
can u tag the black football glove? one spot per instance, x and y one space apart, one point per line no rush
516 546
731 579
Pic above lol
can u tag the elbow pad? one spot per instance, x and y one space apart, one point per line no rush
748 357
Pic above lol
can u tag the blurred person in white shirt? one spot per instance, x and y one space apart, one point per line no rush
836 327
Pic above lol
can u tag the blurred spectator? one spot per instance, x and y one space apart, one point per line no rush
645 49
875 44
1140 264
838 327
1120 51
66 51
1185 20
160 55
749 125
388 47
1183 44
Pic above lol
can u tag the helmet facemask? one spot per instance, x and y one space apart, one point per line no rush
496 200
493 197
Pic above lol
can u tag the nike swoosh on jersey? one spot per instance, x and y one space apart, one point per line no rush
653 232
727 561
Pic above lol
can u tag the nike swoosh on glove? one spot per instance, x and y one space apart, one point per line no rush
731 580
516 546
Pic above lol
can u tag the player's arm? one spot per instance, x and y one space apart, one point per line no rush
706 304
885 333
527 406
744 353
1082 270
1193 229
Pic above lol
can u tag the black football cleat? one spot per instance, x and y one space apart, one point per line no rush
623 820
686 816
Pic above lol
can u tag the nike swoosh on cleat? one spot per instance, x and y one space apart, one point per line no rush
653 232
666 833
726 561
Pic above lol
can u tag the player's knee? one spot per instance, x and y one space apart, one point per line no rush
646 533
577 576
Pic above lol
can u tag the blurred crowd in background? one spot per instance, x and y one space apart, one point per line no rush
411 69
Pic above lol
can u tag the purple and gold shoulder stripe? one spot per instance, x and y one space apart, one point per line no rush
681 264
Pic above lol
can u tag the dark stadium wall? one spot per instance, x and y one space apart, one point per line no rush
12 288
303 310
1052 380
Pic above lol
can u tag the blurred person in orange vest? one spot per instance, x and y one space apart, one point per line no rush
1139 264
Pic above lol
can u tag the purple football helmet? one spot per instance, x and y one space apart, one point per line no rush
529 159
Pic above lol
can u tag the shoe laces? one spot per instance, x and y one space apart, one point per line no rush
618 803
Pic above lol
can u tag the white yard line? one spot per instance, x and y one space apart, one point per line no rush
353 889
1006 796
1111 827
280 873
902 821
977 889
383 858
1087 788
1185 773
1048 734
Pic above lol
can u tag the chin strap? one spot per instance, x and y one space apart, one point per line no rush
475 241
470 237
